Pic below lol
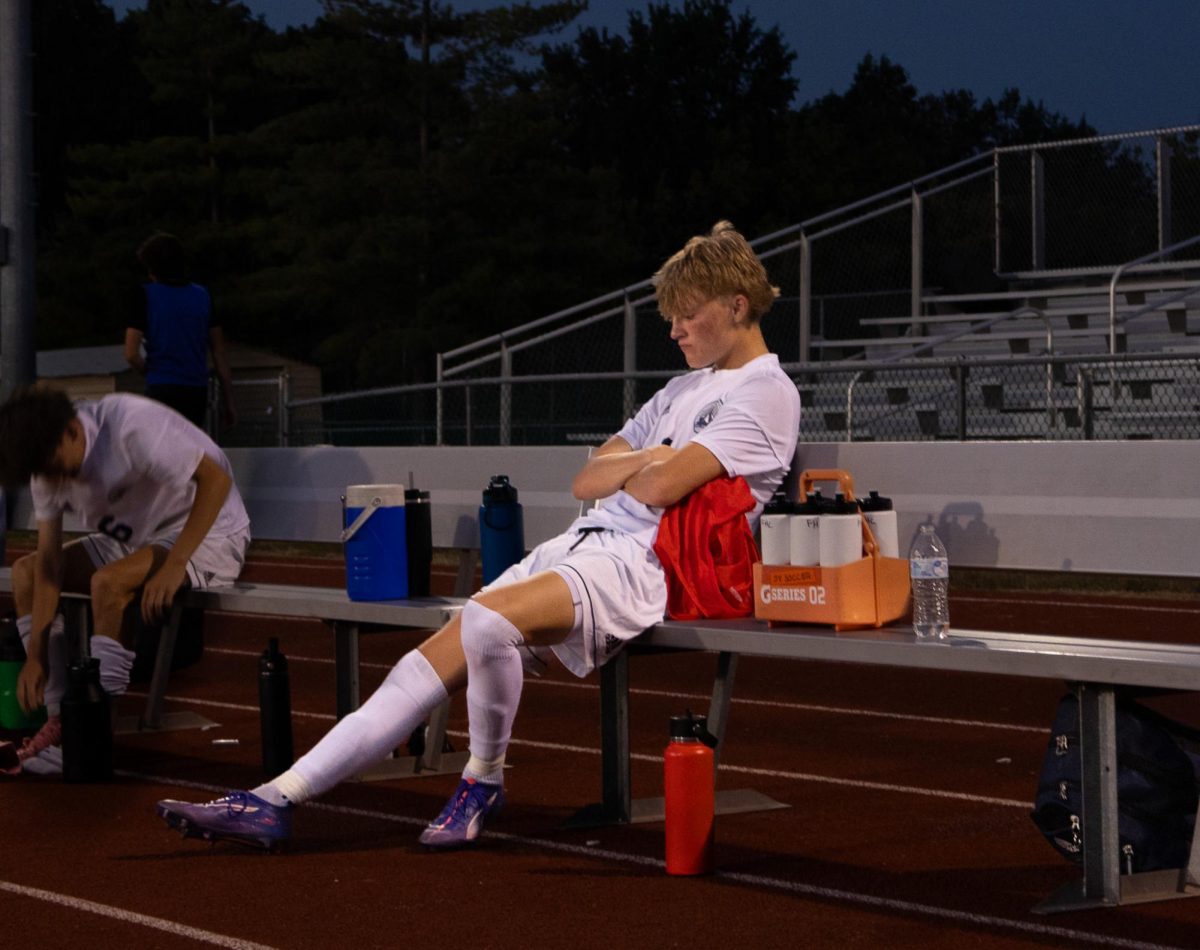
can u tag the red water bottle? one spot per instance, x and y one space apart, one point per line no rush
688 793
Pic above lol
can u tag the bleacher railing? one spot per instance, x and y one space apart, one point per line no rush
1144 396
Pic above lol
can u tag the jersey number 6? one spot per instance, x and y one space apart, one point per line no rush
121 532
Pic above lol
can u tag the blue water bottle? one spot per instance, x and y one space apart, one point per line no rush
501 528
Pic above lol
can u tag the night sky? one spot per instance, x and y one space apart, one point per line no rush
1122 65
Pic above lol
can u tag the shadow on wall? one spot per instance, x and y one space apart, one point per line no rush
309 506
967 536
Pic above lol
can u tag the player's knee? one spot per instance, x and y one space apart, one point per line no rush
485 632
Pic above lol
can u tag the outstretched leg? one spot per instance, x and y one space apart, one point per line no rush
540 609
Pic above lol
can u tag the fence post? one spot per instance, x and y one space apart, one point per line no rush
505 395
1037 211
467 412
440 437
1083 388
805 298
629 387
918 255
997 215
285 396
960 379
1162 158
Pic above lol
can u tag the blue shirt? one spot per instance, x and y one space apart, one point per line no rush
177 321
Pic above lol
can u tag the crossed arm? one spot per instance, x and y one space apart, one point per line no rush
658 475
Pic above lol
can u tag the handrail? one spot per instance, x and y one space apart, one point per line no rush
1120 271
946 338
907 188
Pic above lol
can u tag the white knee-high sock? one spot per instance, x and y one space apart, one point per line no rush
494 678
410 692
115 664
56 659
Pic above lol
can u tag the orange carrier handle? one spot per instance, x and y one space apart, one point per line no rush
842 477
846 484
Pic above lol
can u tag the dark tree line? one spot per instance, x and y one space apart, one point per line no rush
399 178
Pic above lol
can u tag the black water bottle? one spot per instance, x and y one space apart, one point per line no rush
86 725
419 540
275 709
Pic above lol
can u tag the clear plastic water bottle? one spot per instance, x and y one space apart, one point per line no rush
929 568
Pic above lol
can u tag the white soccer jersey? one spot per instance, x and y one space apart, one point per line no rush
136 480
749 418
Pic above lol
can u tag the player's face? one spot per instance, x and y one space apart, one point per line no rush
67 461
710 332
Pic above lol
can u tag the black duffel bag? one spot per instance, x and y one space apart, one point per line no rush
1158 764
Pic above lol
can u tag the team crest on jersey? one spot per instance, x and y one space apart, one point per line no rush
707 415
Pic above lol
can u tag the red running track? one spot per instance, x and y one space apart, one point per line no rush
908 826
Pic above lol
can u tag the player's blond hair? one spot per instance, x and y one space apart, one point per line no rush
718 264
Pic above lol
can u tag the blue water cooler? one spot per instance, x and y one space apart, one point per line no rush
501 528
374 542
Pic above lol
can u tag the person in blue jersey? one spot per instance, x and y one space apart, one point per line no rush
174 319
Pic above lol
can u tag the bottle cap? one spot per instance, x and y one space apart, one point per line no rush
821 504
692 728
809 505
84 671
779 504
875 502
499 491
844 506
271 657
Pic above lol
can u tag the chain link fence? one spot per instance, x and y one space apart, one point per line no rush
1095 203
1030 397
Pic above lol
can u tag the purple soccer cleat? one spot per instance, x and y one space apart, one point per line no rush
461 821
241 817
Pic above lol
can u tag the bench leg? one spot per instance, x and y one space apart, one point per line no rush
617 805
345 648
718 709
1098 749
1192 880
152 717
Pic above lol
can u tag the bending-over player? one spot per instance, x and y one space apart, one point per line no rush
159 496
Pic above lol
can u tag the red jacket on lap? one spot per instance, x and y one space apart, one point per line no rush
707 551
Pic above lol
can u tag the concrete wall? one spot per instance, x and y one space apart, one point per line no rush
1109 507
295 494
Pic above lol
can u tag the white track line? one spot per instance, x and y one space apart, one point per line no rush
130 917
642 757
837 895
698 697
